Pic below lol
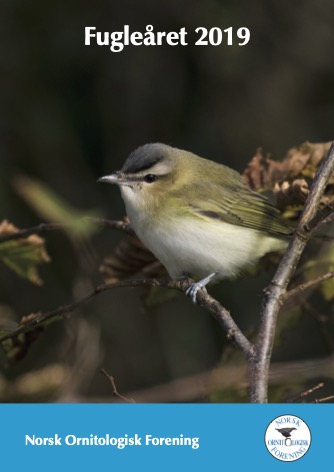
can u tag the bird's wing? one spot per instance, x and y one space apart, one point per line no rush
240 206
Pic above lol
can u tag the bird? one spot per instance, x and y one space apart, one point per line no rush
198 217
286 432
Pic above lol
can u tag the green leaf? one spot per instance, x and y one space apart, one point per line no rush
52 207
18 345
23 255
16 348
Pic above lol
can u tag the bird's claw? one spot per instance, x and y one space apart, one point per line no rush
192 291
195 287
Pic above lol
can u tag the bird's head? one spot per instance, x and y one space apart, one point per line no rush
152 172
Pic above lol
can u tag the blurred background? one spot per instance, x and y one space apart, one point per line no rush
70 113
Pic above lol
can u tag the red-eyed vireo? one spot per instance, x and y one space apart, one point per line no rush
196 216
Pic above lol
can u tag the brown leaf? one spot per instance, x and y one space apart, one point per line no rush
291 193
289 178
301 162
130 258
255 171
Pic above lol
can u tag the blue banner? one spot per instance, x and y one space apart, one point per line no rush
157 437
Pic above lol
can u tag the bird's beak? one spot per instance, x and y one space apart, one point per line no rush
115 178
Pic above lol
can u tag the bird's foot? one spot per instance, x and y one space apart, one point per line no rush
195 287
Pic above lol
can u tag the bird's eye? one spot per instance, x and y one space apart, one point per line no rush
149 178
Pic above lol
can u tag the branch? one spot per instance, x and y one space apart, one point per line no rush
306 285
112 224
277 288
45 227
24 233
259 355
203 299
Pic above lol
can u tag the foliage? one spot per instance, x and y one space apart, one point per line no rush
23 255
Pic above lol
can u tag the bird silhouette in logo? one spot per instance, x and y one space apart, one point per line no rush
286 432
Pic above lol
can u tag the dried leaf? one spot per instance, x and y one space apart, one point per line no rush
17 347
130 258
263 173
23 255
290 178
255 172
291 193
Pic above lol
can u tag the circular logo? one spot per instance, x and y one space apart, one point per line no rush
288 438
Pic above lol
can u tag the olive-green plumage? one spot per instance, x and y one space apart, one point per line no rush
197 216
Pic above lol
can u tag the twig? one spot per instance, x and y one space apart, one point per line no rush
203 298
25 233
258 356
325 399
306 393
322 322
322 217
63 311
114 388
274 293
44 227
119 225
306 285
